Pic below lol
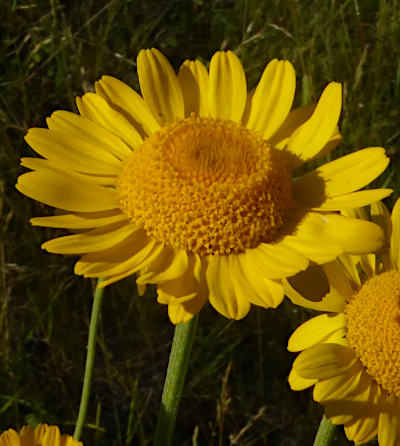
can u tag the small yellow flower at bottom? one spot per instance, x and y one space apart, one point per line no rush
350 354
42 435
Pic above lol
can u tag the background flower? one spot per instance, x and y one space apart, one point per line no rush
42 435
351 355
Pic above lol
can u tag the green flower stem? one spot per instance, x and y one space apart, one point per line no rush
91 351
325 433
173 385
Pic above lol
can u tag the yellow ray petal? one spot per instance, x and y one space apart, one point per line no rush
90 131
193 79
124 256
341 202
355 213
72 153
223 296
335 234
381 216
314 134
40 432
349 410
296 382
368 264
170 265
116 271
168 299
363 386
311 247
252 287
182 312
97 109
349 270
355 236
338 337
272 98
276 290
79 221
117 277
27 435
346 174
315 330
366 426
395 236
363 430
296 118
65 192
185 286
134 264
292 160
160 87
312 283
389 423
52 437
227 87
332 143
341 411
267 293
275 261
54 166
90 241
247 107
330 302
129 103
338 387
310 238
340 279
324 361
10 438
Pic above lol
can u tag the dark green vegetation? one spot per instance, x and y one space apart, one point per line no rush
236 392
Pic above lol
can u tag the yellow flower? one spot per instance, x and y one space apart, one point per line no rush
351 355
43 435
191 186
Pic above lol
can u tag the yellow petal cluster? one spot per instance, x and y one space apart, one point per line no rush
42 435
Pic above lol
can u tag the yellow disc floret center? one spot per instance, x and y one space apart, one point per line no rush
206 185
374 328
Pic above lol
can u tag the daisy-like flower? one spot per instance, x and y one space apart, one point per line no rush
351 355
190 185
42 435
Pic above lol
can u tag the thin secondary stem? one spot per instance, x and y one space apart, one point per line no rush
174 381
325 433
91 352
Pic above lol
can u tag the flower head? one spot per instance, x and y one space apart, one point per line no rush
190 185
42 435
351 355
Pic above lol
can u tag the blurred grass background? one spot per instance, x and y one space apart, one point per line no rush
236 391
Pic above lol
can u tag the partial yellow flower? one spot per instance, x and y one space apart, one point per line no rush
351 355
42 435
190 185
